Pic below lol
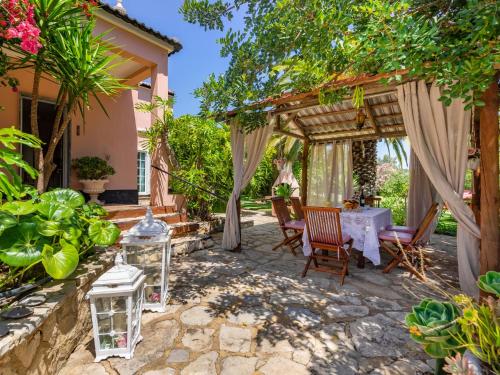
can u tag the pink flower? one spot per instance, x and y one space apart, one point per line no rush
31 45
12 33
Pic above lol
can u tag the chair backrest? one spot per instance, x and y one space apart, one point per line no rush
323 225
426 221
297 208
281 210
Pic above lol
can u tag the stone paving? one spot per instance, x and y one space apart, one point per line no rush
252 313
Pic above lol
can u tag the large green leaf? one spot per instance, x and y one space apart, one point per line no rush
103 233
19 208
48 228
21 245
54 210
67 197
62 263
7 220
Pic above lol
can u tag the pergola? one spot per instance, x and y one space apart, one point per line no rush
302 116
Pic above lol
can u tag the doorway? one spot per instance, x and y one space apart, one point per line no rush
62 157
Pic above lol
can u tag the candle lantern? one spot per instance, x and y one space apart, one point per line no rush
147 247
116 306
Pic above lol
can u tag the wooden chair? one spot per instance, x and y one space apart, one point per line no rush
373 201
297 208
402 246
325 233
409 229
286 224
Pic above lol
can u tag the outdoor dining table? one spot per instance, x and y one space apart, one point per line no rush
363 225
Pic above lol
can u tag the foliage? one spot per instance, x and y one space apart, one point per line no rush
92 168
394 192
55 228
457 365
11 186
480 329
296 45
197 150
490 283
446 224
433 325
284 190
202 149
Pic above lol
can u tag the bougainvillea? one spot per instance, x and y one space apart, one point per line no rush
17 19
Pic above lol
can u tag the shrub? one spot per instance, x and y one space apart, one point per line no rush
92 168
394 191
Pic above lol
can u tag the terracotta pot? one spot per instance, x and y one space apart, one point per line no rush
94 188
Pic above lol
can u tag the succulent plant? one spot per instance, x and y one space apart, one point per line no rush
457 365
490 282
434 325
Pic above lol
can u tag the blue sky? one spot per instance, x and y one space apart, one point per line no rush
199 56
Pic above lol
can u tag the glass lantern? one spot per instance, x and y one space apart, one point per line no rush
147 247
116 300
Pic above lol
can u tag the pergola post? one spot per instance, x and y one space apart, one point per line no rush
305 158
490 239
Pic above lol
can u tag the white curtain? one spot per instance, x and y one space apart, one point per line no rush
439 136
247 151
286 176
330 174
420 196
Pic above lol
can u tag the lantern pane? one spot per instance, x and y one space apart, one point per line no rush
119 304
103 304
120 340
106 342
120 322
104 323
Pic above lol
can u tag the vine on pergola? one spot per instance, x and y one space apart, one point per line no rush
296 45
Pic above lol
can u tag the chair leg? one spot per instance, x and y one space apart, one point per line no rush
345 271
393 263
307 266
315 262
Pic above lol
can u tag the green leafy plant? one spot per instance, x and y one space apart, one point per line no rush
54 229
284 190
480 329
434 325
92 168
490 283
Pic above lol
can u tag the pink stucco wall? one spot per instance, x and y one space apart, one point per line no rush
115 136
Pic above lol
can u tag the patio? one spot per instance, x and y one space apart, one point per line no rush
251 312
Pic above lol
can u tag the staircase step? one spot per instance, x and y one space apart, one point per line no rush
128 211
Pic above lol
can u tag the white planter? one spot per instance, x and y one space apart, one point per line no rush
94 188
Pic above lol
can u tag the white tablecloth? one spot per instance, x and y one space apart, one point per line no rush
363 226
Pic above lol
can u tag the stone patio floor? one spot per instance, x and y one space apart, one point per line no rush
252 313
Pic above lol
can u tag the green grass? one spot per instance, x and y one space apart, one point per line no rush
446 224
254 204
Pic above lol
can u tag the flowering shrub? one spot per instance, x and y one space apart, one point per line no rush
17 19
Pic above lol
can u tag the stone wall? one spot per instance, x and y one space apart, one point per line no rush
41 343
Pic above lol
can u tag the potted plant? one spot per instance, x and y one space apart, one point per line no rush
92 173
285 191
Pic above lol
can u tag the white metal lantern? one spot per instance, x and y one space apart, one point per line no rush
116 300
147 246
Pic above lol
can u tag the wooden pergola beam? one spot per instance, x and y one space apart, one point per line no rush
369 113
288 133
330 137
305 166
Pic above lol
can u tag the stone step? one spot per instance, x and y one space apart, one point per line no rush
135 211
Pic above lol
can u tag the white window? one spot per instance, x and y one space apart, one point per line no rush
143 172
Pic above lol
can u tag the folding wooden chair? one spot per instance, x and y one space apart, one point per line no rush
297 208
410 229
325 233
286 224
402 245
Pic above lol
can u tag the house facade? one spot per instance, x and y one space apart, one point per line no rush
144 55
